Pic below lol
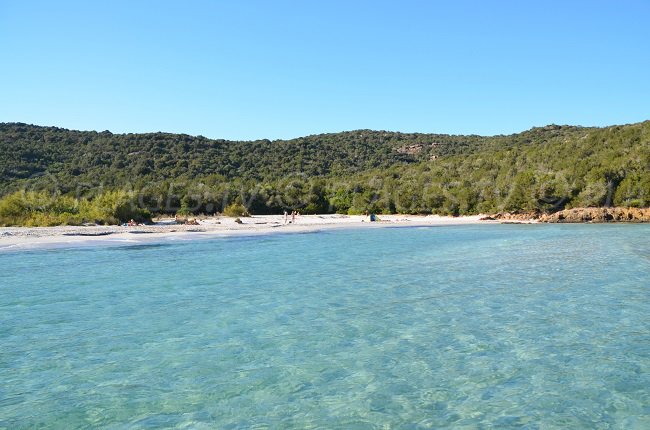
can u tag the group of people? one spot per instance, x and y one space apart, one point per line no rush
294 214
132 223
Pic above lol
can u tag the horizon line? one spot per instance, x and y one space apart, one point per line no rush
322 133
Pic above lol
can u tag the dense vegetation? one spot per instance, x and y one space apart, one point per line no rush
43 209
51 175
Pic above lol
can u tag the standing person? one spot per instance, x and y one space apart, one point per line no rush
293 217
286 216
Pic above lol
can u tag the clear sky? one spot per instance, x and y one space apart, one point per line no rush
281 69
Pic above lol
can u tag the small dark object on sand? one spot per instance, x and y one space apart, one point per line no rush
101 233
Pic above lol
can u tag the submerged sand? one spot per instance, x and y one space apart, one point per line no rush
12 238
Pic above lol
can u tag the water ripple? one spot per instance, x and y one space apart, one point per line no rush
459 327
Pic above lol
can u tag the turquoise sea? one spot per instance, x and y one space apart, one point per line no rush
463 327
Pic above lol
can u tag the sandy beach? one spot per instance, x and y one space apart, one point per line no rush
16 238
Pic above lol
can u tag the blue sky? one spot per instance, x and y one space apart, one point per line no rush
282 69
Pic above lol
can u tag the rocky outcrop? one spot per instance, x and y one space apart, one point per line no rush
515 216
410 149
577 215
597 215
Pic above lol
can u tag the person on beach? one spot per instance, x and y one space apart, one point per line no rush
286 216
293 217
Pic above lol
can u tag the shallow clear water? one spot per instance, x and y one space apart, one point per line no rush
531 326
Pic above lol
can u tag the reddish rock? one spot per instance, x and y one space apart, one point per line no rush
598 215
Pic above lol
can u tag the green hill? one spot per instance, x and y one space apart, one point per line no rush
545 169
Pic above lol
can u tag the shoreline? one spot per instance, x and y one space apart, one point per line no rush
25 238
166 229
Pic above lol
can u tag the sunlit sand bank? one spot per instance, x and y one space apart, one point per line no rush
35 237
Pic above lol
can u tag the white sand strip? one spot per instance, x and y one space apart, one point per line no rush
16 238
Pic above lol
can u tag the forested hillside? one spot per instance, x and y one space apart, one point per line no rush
70 157
29 152
546 169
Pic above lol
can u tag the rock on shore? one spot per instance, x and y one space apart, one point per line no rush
514 216
598 215
577 215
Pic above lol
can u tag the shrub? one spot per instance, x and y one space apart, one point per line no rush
236 210
34 209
